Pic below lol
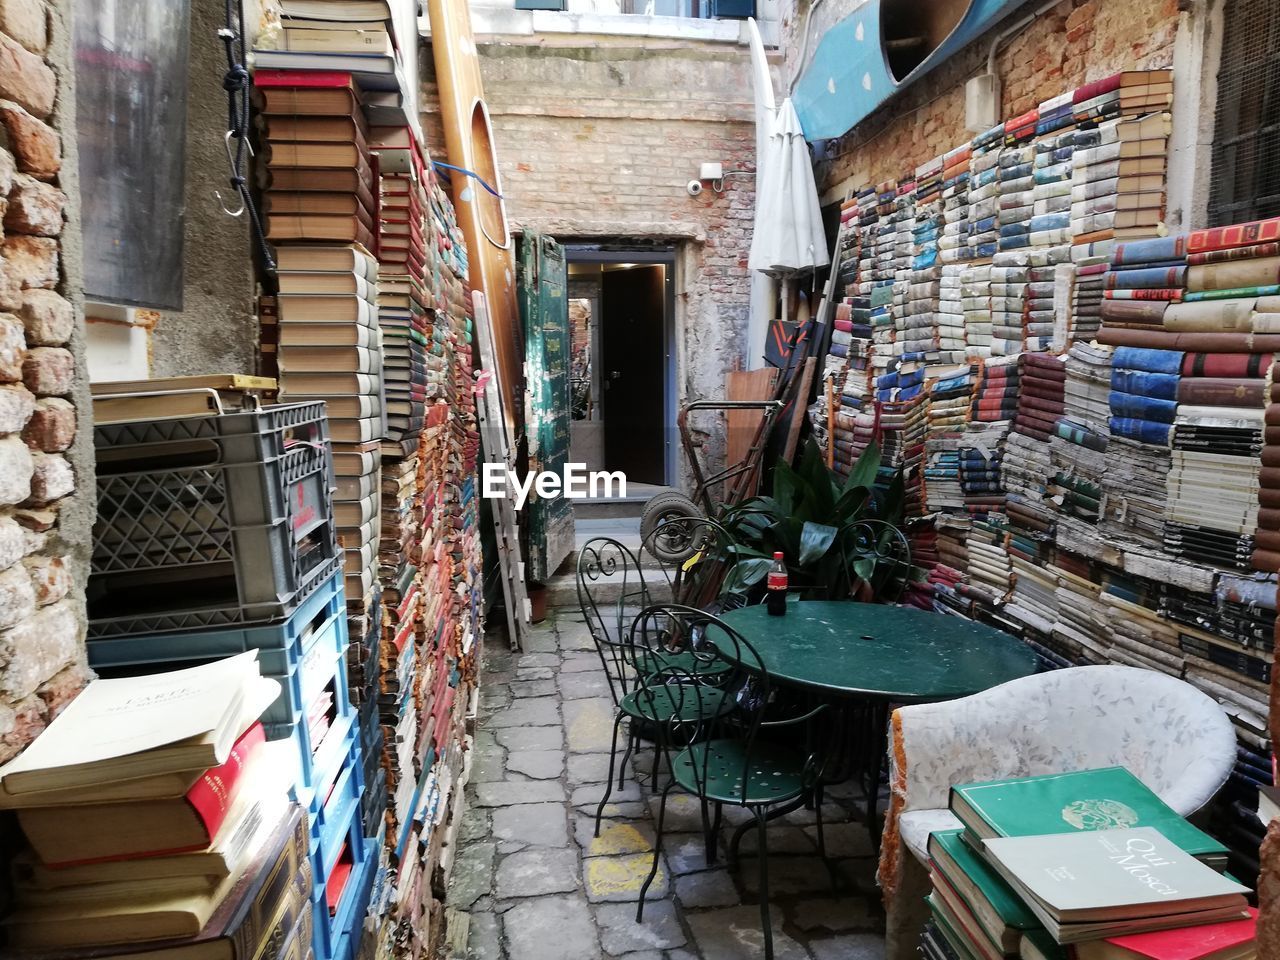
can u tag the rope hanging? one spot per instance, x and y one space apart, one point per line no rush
236 83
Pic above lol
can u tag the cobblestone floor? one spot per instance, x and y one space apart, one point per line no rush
535 884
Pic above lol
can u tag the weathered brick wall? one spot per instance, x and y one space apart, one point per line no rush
1074 43
597 137
42 558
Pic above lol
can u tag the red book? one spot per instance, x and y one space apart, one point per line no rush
337 882
212 795
101 832
301 78
1210 941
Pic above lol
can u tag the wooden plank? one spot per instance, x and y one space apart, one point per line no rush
493 434
740 425
216 381
798 404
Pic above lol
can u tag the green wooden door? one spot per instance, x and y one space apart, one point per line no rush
544 312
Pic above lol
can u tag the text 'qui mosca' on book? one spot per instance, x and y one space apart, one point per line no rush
1104 883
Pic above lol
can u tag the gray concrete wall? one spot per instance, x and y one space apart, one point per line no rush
217 329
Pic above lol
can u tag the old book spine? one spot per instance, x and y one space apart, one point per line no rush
284 876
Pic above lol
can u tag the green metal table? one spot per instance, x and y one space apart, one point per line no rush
876 655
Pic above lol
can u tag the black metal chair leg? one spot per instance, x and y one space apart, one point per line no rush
763 853
626 757
608 784
657 850
715 833
822 839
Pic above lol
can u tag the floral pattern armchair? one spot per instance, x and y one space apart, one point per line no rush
1171 736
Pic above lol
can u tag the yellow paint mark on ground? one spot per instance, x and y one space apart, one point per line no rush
611 876
591 730
617 839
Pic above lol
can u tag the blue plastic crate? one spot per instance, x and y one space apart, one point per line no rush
305 654
338 937
280 646
333 815
319 769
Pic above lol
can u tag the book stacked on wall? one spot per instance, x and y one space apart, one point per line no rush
331 349
158 822
1022 880
365 39
1134 508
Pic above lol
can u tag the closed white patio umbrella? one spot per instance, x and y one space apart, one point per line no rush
788 237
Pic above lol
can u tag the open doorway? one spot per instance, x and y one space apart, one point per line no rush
621 305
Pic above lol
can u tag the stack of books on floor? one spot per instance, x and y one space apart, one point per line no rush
156 818
1040 874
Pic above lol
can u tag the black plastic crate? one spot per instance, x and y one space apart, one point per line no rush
206 522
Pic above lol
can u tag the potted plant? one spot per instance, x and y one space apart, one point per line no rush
838 540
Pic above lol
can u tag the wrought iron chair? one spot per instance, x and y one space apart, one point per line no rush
719 755
695 555
881 557
611 590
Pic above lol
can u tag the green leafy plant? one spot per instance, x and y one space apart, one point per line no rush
837 539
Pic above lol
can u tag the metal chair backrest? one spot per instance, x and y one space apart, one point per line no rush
715 658
879 554
611 589
695 555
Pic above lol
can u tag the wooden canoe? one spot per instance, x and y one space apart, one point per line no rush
482 216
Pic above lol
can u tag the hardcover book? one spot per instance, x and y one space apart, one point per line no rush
1101 883
1082 800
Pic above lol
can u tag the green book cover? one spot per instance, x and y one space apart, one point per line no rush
942 917
1110 798
946 848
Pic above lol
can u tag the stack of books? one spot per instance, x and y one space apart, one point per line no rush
1128 94
330 349
356 37
317 165
401 298
1040 872
154 811
1117 188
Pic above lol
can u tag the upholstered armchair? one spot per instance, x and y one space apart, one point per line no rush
1170 735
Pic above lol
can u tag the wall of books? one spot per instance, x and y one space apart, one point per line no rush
1080 401
373 315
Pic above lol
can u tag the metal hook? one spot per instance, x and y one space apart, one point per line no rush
226 143
222 203
235 174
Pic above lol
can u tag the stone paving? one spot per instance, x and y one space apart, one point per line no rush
534 883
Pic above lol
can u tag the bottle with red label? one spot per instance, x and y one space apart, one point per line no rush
776 598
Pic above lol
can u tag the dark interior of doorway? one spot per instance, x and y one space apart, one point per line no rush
629 356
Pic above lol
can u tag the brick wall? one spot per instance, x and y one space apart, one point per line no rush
597 137
1075 42
41 380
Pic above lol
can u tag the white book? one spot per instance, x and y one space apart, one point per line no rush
1100 883
134 727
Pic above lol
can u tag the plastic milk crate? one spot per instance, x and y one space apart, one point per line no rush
306 654
338 838
208 522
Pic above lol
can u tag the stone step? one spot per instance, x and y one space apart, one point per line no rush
609 508
562 589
